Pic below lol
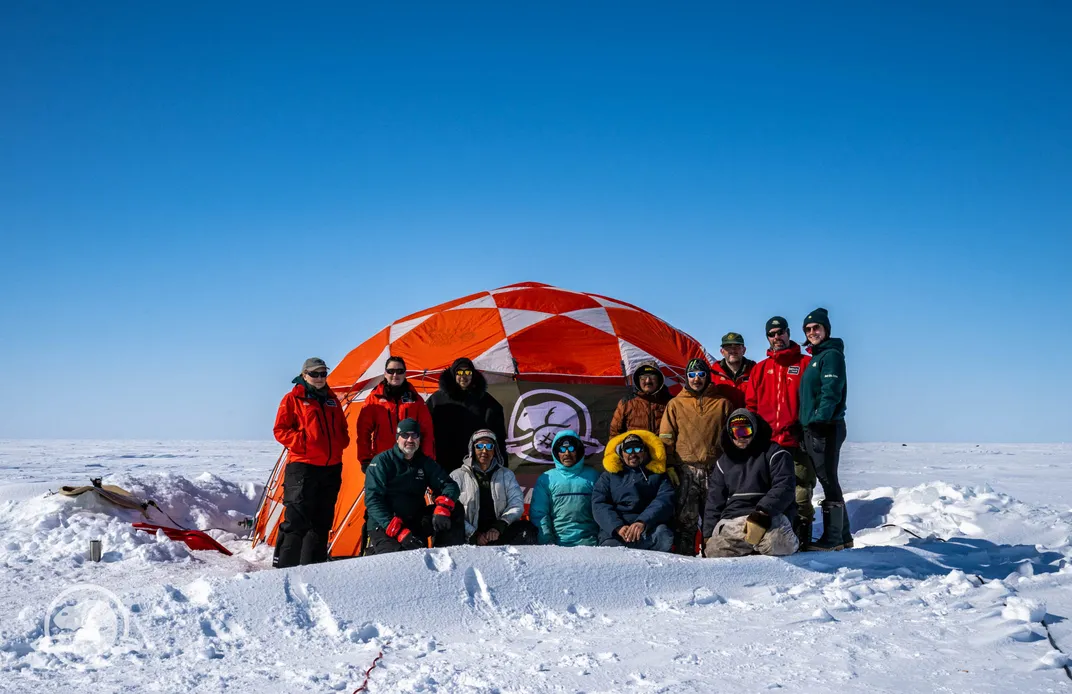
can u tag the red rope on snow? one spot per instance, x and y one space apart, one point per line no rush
364 685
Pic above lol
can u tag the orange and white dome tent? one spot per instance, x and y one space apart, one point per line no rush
554 358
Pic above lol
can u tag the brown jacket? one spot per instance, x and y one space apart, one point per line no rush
640 411
692 425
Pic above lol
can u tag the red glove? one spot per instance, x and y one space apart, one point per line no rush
444 506
396 531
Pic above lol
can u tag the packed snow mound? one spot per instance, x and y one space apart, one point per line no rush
961 592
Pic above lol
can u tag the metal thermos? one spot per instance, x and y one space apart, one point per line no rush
95 550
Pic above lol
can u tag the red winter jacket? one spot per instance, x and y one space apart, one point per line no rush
314 432
774 392
379 418
729 388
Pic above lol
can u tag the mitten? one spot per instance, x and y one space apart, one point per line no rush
398 532
756 526
441 515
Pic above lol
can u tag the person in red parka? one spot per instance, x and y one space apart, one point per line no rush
311 424
388 404
730 375
774 394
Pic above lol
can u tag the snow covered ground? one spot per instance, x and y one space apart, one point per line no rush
964 607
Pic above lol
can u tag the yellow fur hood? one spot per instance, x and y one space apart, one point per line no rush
612 462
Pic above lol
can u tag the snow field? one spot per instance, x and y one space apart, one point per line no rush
961 609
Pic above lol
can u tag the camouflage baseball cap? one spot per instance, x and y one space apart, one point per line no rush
732 339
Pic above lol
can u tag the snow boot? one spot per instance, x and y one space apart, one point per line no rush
833 527
802 528
846 536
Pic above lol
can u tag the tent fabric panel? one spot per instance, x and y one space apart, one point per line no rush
655 337
354 365
545 300
442 338
563 346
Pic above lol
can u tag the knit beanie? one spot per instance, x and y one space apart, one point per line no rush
819 316
462 363
697 365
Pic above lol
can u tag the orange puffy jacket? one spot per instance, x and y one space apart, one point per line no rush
379 418
314 432
774 393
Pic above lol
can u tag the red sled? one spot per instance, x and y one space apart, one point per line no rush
194 539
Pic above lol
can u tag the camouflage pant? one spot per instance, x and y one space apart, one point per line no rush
728 539
690 502
805 483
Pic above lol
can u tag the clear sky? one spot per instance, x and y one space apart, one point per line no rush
194 197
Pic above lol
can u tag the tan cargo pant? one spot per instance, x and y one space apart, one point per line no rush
728 539
805 483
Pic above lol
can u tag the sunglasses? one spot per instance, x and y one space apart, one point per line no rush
566 448
316 374
395 372
633 449
409 435
463 372
484 446
813 328
742 431
776 333
696 374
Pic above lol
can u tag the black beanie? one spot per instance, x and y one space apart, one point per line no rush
462 363
697 365
819 316
776 322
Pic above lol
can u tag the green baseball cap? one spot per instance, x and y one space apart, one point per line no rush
732 339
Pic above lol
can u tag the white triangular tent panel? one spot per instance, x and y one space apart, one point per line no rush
607 303
503 290
594 317
376 367
400 329
515 320
486 301
633 356
498 359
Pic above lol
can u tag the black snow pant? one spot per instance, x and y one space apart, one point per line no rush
520 532
309 494
823 444
421 528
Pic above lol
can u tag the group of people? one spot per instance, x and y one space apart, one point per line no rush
730 462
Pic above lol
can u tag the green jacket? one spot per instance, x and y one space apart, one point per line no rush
395 486
823 386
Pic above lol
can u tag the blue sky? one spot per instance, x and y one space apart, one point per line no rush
197 196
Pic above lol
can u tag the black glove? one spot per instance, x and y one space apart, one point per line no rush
402 535
412 542
441 515
440 524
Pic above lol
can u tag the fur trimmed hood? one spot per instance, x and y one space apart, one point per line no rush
612 461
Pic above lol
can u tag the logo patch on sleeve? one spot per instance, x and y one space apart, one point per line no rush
794 370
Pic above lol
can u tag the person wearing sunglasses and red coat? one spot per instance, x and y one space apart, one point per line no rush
311 424
385 407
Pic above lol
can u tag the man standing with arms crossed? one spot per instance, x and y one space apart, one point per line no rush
774 394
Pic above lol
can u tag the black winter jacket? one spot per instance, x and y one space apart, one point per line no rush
395 486
457 413
759 477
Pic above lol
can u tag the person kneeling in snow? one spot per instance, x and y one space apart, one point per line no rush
395 481
633 499
561 507
751 493
491 496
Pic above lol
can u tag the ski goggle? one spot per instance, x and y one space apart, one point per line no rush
566 448
632 449
316 374
741 431
696 374
395 372
463 372
484 446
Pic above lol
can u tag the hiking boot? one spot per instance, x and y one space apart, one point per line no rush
846 536
833 528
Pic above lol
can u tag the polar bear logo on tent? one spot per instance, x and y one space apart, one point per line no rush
538 416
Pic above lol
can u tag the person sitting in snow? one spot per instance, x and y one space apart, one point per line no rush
311 424
751 493
461 406
561 507
395 482
644 407
633 499
491 496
